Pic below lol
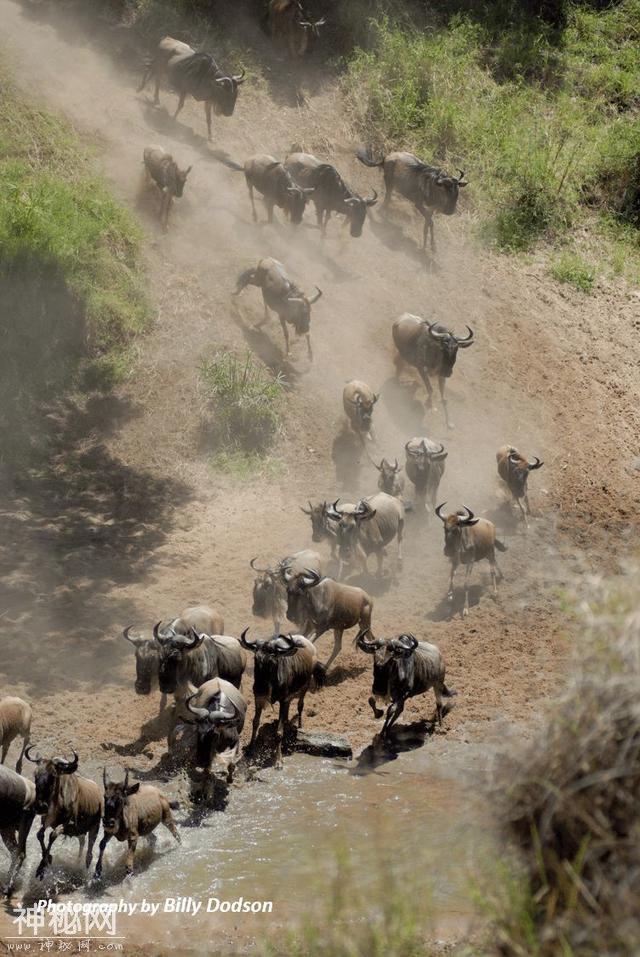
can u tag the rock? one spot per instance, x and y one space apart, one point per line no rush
324 744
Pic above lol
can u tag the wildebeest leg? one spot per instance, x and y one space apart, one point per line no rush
424 375
259 705
318 634
93 834
25 742
286 336
337 646
9 840
453 571
283 719
253 205
6 744
170 824
103 843
522 511
468 570
164 210
494 576
309 349
320 216
163 702
156 94
394 711
46 853
181 100
442 382
132 843
400 537
81 843
439 706
300 708
207 113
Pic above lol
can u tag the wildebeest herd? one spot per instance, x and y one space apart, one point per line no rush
189 656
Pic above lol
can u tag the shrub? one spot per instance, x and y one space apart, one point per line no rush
245 400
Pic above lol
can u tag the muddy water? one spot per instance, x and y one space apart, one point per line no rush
299 837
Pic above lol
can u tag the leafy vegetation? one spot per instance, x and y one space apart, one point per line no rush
571 268
245 402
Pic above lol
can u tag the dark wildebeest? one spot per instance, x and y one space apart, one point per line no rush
147 653
17 811
368 528
218 710
404 667
285 667
358 401
329 605
192 73
468 540
275 182
323 528
130 812
270 587
70 805
431 349
283 296
330 192
192 659
390 480
287 20
162 169
514 470
15 722
425 467
428 188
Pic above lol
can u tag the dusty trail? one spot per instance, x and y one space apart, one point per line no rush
127 522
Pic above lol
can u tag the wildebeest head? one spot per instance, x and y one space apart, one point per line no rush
115 798
296 201
176 178
422 455
173 648
362 407
519 469
264 590
357 212
46 776
147 661
448 345
298 309
397 651
216 726
389 480
441 191
349 525
226 93
318 515
453 526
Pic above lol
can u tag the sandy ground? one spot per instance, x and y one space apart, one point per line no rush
126 521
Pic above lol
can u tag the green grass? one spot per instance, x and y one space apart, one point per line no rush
246 408
570 268
58 214
545 124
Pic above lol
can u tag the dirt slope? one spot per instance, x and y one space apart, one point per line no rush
126 522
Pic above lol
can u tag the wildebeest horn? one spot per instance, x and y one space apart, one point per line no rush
240 76
311 577
196 639
437 335
381 466
465 341
67 767
364 644
310 512
320 23
27 755
352 200
396 467
373 200
158 636
199 712
408 450
438 453
514 456
537 464
249 645
470 518
290 648
134 641
461 177
316 297
258 569
408 644
332 511
375 397
438 511
224 79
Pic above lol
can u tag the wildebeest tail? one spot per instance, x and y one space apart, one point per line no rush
365 157
319 674
244 279
500 545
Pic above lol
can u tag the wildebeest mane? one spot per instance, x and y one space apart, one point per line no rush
281 677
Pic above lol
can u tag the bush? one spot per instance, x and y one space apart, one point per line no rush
569 267
245 400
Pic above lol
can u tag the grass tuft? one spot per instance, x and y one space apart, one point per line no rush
571 268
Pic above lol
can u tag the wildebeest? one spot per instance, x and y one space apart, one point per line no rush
285 667
192 73
425 467
513 469
390 480
15 722
17 811
427 187
282 295
432 349
270 586
358 400
130 812
71 805
327 605
218 710
286 19
195 658
369 528
330 192
275 182
404 667
147 653
162 169
468 540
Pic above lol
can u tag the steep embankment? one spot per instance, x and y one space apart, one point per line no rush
125 522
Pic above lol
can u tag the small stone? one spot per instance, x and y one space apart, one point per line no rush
323 744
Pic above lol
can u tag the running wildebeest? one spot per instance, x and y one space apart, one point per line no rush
286 19
330 192
270 586
17 811
390 480
275 182
427 187
130 812
192 73
282 295
404 667
285 668
71 805
218 710
513 469
15 722
162 169
425 467
431 349
358 400
368 528
468 540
